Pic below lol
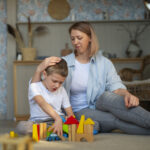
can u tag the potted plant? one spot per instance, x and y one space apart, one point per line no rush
133 48
27 50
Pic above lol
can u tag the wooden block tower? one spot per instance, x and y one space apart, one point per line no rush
80 130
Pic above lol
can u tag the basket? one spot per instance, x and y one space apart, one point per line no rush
141 89
29 53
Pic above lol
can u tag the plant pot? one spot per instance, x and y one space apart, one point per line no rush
29 53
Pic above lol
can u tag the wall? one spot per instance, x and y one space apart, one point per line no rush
3 61
83 10
112 38
91 10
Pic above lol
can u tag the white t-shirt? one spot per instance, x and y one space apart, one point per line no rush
78 97
58 99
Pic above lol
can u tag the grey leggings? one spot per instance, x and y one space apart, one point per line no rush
111 114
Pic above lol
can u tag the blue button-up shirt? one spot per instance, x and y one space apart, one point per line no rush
102 77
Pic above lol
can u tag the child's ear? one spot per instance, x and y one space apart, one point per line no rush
44 74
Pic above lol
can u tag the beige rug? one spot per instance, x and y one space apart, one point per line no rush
112 141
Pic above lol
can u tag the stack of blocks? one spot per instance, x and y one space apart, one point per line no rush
19 143
81 130
76 130
39 131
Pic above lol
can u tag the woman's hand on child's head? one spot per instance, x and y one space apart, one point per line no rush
50 61
57 127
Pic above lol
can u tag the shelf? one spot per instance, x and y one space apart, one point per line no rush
126 60
114 60
27 62
100 21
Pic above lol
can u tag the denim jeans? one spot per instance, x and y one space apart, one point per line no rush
111 114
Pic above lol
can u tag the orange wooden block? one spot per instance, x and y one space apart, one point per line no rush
41 131
44 130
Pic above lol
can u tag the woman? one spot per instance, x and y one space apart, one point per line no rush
94 87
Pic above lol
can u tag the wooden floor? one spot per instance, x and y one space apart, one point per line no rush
109 141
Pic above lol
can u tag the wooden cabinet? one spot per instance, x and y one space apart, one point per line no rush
24 70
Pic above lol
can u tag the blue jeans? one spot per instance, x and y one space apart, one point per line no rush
111 114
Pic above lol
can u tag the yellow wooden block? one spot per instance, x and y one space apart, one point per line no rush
80 127
35 133
12 134
89 121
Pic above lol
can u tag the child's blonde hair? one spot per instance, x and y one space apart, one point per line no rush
59 68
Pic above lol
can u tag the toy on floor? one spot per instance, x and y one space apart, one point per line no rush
82 131
20 143
74 130
39 131
54 137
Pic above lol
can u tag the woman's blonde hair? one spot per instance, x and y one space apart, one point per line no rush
86 28
59 68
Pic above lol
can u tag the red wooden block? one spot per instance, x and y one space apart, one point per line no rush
71 120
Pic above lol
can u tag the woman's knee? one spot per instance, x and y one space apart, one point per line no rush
108 98
102 98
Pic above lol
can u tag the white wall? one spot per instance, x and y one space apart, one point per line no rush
111 36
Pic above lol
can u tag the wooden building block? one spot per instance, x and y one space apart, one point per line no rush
80 137
80 127
88 129
73 134
89 121
35 136
38 131
65 128
71 120
41 130
44 129
19 142
70 133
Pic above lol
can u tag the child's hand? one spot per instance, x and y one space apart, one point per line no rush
57 127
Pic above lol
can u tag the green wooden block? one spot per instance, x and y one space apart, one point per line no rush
65 128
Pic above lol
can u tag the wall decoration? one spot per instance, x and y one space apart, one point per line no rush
58 9
134 48
90 10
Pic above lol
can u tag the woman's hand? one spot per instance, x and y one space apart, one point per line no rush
57 127
50 61
131 100
42 66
